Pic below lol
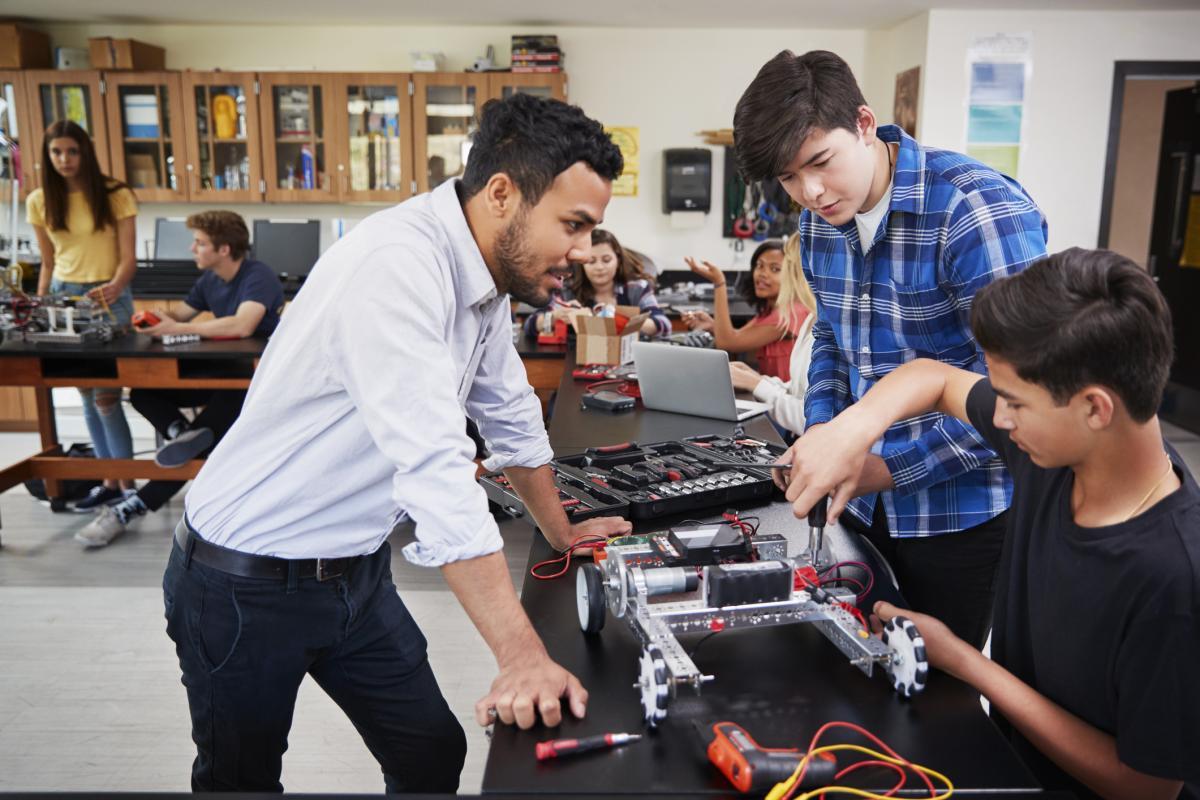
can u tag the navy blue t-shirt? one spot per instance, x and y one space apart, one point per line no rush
254 281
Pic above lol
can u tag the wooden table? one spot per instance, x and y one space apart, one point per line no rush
132 361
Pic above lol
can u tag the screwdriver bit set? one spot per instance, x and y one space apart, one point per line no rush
653 480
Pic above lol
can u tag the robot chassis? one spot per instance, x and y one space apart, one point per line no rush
632 574
55 318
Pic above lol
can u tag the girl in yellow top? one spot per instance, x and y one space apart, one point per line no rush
86 228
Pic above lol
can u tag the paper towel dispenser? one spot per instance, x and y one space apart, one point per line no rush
687 179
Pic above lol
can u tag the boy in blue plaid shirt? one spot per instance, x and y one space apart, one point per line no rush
896 239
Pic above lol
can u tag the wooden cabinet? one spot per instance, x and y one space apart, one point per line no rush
224 153
52 95
243 137
374 124
446 108
147 132
541 84
299 136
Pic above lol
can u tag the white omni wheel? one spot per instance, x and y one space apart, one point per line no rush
652 683
908 669
589 598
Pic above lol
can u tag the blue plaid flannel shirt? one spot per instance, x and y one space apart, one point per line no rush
953 226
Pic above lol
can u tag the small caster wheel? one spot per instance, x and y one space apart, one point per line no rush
652 683
908 669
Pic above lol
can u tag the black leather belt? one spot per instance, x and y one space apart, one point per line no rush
247 565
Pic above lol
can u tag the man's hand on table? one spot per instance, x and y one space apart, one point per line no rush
601 526
944 650
528 688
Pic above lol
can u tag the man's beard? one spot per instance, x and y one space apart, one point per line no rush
517 264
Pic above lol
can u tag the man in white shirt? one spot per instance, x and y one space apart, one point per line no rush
354 420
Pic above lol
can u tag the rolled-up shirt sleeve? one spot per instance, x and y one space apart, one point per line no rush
504 406
399 372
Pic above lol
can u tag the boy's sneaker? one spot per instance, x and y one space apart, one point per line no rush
184 447
110 522
97 497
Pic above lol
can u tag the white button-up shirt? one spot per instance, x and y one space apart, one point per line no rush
355 416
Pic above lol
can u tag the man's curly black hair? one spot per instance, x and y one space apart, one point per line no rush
532 140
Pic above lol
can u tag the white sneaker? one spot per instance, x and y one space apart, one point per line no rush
102 530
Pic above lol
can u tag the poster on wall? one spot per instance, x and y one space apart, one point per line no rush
904 108
626 138
999 67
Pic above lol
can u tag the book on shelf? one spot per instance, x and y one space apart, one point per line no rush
520 69
537 55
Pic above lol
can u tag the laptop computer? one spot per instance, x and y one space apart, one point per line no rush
689 380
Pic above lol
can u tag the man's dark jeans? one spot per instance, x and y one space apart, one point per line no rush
245 645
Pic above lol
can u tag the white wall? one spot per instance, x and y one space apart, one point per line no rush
1068 100
890 52
669 83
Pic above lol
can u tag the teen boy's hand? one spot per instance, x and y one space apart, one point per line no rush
832 458
944 650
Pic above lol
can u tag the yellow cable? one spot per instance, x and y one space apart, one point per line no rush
780 789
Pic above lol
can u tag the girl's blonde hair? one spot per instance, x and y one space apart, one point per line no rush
793 287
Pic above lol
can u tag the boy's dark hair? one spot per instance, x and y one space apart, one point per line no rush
532 140
746 284
223 228
1081 317
790 97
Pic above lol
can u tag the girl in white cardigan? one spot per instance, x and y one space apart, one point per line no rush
786 400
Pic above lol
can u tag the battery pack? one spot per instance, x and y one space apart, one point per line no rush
741 584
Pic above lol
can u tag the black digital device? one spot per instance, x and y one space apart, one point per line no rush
172 239
606 400
287 246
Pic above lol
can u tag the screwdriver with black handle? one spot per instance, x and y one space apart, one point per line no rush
816 531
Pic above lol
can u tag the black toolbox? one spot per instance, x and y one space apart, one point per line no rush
654 480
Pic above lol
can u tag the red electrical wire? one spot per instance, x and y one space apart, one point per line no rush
860 764
812 745
589 541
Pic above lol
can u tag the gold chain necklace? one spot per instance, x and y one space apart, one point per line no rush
1153 489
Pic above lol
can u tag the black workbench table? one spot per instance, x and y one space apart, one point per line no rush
779 683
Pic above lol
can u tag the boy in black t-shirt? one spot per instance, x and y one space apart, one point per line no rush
245 298
1096 640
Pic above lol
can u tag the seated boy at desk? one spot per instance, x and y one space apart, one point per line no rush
245 298
1096 634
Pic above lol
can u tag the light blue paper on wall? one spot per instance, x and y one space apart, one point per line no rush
995 124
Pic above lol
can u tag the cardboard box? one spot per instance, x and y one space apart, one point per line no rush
109 53
597 341
23 48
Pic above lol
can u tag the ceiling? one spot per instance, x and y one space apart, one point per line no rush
815 14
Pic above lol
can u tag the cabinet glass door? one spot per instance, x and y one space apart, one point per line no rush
374 123
221 110
147 134
223 134
298 140
12 122
446 113
70 95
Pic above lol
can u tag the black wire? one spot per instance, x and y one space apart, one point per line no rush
703 639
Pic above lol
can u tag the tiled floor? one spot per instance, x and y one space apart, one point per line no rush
90 697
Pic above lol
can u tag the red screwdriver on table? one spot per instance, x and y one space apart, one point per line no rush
562 747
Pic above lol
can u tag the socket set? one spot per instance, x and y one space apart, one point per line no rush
732 448
581 499
652 480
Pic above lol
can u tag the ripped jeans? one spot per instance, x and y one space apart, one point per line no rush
102 410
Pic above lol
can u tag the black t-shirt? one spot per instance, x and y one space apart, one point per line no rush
1105 622
254 281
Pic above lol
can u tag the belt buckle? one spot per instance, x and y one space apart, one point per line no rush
325 572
